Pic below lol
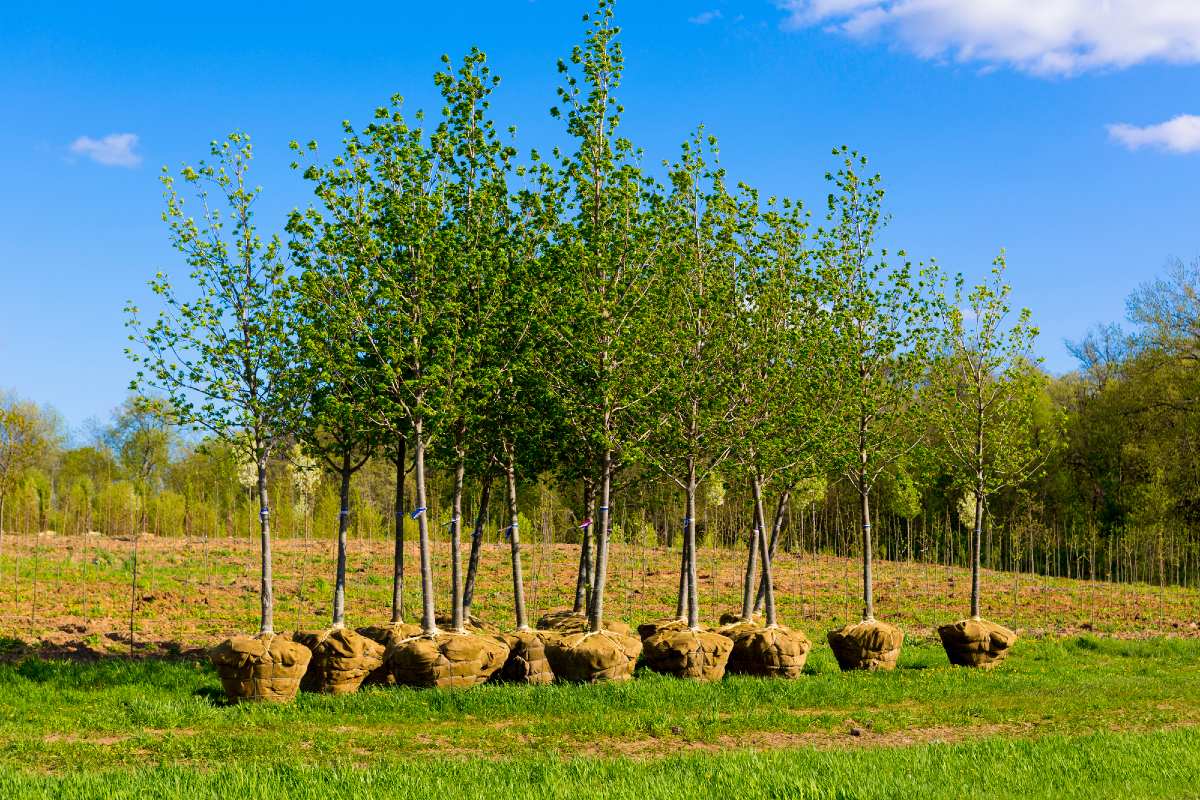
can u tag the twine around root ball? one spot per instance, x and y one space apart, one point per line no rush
772 652
976 642
695 654
342 659
527 661
446 660
867 645
567 621
594 657
267 667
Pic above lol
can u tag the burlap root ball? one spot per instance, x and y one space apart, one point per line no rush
734 617
594 657
567 621
648 629
263 667
696 654
446 660
772 652
471 623
387 635
342 659
869 645
526 662
976 642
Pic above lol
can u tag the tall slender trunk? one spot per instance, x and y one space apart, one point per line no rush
776 529
428 621
868 582
975 537
456 598
339 586
583 578
514 537
751 572
266 593
681 601
596 613
398 556
485 494
689 545
760 523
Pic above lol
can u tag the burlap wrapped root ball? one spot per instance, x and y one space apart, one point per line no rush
387 635
648 629
567 621
776 651
446 660
471 623
266 667
696 654
527 661
594 657
341 660
976 642
867 645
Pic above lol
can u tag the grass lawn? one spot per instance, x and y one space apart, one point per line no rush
1077 717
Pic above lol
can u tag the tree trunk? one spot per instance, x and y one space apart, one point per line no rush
776 528
681 601
868 583
751 573
760 523
266 593
339 590
398 557
514 532
975 539
689 546
485 494
596 613
583 579
456 598
428 621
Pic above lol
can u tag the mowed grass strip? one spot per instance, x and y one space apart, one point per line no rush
59 718
1125 765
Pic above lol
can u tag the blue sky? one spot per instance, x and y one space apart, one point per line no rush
991 123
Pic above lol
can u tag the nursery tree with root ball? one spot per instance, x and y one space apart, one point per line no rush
697 359
885 317
598 314
337 430
219 350
983 399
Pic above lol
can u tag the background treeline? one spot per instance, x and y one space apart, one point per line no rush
1119 501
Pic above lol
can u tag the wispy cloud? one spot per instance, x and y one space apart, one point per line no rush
1042 37
705 17
113 150
1178 135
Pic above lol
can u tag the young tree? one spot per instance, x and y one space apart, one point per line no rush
23 440
697 358
885 315
219 354
983 397
597 317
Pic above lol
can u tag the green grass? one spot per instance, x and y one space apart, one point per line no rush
1065 718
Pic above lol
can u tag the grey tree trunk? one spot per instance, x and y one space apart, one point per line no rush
689 544
751 572
339 586
975 537
398 557
510 473
266 593
681 602
868 582
776 528
596 613
428 621
760 522
583 579
456 598
485 494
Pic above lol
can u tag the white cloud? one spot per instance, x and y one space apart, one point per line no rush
1178 135
1041 37
114 150
705 17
